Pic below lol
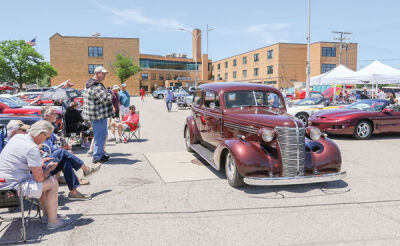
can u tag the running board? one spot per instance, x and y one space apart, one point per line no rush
205 153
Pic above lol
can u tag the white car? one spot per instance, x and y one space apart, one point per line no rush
306 107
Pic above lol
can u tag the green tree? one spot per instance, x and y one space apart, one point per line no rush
21 63
125 67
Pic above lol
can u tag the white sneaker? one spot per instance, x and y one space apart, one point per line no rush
90 153
60 224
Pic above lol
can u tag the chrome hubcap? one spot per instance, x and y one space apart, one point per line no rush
230 167
363 130
303 118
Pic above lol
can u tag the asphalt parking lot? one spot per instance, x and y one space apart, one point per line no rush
136 202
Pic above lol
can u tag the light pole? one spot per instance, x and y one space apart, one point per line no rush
308 53
195 50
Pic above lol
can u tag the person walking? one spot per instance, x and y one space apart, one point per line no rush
97 107
125 101
364 94
142 92
169 97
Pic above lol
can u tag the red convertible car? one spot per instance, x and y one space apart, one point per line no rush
244 129
8 106
360 119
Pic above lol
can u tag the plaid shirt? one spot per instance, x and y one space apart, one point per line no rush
97 103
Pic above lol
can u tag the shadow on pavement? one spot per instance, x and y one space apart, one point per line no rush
121 161
382 136
35 230
63 199
327 188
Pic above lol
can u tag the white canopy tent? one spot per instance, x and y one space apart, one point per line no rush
375 73
335 76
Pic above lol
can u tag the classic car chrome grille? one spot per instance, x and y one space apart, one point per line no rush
292 144
249 129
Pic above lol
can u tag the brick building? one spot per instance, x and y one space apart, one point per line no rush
75 58
282 64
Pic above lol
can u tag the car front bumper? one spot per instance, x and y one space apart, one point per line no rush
295 180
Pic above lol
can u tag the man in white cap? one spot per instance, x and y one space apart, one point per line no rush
124 99
97 107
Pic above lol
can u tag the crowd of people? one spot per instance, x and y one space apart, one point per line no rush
35 156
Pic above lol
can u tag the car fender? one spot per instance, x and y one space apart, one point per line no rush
249 156
194 132
325 157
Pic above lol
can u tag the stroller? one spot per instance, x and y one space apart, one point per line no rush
184 102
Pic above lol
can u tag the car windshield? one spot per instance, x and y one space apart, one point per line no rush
10 103
310 101
238 99
369 105
19 101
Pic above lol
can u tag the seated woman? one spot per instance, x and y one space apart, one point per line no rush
130 120
74 123
20 161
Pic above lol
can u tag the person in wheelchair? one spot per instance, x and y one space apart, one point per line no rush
20 161
130 121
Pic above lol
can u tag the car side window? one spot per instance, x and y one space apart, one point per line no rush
211 100
197 98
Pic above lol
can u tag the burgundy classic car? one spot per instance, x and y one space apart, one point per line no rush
360 119
244 129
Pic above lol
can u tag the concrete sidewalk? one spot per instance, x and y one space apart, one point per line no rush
132 205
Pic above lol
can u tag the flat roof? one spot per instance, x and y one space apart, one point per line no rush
57 34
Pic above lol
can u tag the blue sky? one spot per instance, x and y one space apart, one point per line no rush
239 26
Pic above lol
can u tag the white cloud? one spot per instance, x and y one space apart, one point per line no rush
268 33
133 15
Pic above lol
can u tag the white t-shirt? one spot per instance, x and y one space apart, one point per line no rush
17 157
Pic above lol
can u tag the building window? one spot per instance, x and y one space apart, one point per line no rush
219 66
168 76
153 76
161 77
327 67
234 62
269 82
256 57
145 76
328 51
234 75
95 51
226 64
226 76
270 54
256 71
270 69
244 73
92 67
212 68
244 60
218 77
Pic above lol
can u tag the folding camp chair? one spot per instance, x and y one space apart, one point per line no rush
128 134
10 199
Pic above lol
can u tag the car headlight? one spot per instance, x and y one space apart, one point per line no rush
268 135
314 133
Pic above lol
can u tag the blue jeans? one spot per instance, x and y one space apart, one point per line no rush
67 162
169 105
100 135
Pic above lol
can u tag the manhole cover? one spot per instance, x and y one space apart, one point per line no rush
197 162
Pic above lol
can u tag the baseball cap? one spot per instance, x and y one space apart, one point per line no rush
100 69
14 125
115 87
123 85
